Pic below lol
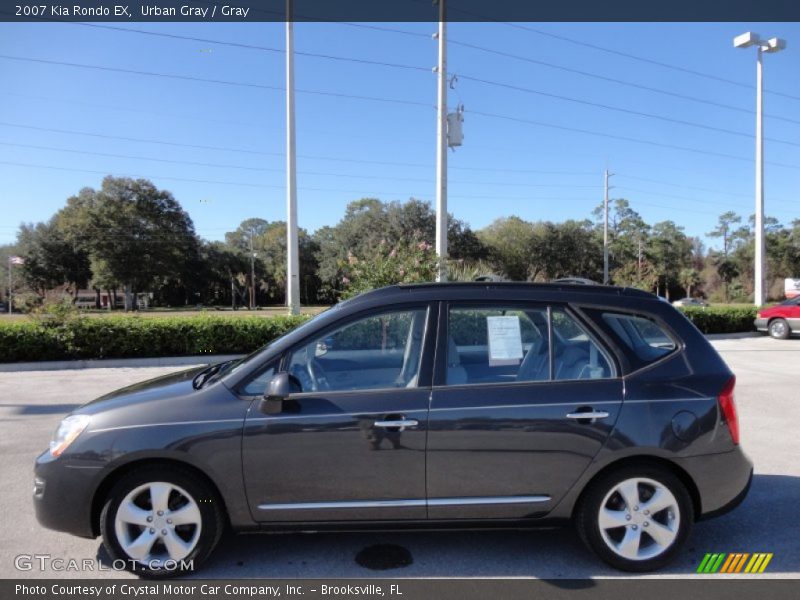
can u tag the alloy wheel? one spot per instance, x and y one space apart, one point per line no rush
639 519
157 522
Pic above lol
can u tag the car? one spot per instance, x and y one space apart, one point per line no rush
449 405
781 320
690 302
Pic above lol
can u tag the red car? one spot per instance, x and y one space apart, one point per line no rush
781 320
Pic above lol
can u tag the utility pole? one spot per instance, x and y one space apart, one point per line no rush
10 292
441 147
252 274
606 279
292 247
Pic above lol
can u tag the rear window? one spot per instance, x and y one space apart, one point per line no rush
644 340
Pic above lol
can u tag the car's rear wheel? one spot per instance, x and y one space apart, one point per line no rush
636 518
160 522
779 329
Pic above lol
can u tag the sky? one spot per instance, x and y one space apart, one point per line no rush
219 146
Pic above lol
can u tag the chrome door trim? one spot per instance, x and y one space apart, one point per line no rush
405 503
488 500
345 504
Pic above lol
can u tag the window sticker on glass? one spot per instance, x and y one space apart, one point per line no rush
505 341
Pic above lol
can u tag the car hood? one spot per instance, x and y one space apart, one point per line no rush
166 400
165 386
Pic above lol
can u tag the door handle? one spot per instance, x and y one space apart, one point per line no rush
397 423
592 414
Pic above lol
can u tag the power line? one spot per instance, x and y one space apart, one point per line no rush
214 81
693 199
616 81
627 55
616 108
425 69
276 170
264 153
624 138
352 59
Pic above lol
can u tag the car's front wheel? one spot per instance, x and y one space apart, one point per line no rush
160 522
779 329
636 518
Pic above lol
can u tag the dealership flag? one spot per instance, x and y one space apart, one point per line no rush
16 260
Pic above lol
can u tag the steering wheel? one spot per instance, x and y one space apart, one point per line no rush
319 380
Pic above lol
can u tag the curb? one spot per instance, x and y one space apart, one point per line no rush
733 336
116 363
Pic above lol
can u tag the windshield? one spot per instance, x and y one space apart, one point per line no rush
241 363
791 301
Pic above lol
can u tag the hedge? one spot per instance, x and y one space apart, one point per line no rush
130 337
722 319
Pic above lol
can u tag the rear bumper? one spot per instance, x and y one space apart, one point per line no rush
722 480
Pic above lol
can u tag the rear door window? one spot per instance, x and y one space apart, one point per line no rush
643 339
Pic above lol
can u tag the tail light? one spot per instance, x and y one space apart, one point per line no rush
728 407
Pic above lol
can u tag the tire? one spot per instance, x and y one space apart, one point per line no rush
137 537
779 329
622 536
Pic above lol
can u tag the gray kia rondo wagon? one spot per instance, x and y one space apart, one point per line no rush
417 406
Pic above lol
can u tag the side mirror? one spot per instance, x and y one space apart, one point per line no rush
278 390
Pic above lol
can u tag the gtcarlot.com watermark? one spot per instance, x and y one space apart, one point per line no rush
48 562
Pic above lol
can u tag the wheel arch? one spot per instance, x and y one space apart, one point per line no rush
650 461
108 482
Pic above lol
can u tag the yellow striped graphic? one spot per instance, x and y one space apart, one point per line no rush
764 564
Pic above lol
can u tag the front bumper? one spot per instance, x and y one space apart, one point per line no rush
62 495
722 480
761 324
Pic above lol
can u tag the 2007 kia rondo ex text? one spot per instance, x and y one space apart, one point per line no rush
425 406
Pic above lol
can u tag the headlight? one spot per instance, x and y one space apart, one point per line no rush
70 428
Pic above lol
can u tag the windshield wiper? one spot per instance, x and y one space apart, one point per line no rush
203 376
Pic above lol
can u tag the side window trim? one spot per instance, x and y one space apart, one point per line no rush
598 337
594 314
425 375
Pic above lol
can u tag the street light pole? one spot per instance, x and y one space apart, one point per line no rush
292 247
758 296
770 46
441 147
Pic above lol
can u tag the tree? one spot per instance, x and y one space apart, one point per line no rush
725 229
269 245
140 232
411 262
689 278
510 241
728 272
52 260
368 223
671 251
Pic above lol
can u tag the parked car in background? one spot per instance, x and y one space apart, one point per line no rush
781 320
460 405
690 302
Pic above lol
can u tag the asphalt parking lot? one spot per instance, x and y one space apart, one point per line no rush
768 398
